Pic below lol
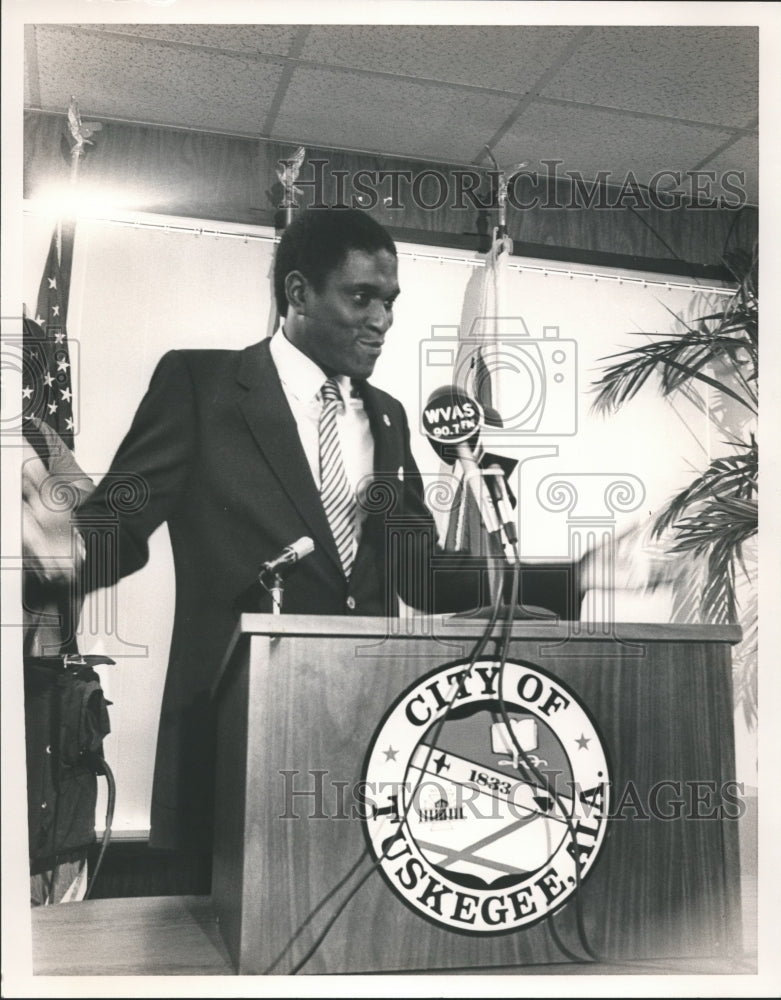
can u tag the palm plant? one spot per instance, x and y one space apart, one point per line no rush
712 523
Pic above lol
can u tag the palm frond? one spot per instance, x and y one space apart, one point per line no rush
727 336
687 592
734 476
737 321
718 531
707 526
727 521
676 361
718 598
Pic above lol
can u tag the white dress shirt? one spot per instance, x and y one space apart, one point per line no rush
302 380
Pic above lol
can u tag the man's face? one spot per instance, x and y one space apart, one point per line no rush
342 326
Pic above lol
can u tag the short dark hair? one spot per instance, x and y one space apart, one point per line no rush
318 240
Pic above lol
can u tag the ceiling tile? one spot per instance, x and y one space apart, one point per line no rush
225 78
508 58
706 74
268 39
740 157
133 79
403 118
591 140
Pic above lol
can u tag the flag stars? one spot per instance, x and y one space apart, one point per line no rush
49 392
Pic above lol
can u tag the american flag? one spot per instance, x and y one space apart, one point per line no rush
47 389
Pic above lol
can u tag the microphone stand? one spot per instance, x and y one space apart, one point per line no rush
271 576
497 579
277 590
502 554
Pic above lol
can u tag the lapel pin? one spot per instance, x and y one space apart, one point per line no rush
386 419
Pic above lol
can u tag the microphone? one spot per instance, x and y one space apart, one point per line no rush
451 420
497 469
495 480
289 555
269 578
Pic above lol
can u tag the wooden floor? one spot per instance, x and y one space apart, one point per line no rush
178 935
150 936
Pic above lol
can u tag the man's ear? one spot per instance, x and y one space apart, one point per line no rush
296 287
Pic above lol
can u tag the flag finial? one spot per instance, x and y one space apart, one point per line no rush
80 135
288 172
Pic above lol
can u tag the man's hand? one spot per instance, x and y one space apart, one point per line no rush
52 547
637 561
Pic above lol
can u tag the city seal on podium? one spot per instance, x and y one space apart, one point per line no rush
488 796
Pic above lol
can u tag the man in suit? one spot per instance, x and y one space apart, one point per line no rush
226 448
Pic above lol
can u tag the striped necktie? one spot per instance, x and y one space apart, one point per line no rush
335 490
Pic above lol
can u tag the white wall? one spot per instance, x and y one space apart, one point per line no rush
136 292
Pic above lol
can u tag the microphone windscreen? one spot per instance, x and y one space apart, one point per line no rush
451 418
303 547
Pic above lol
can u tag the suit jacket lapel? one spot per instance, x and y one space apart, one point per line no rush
389 469
385 441
273 426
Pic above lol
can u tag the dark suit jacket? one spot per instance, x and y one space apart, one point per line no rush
214 451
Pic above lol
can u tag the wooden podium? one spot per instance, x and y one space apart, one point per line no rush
299 699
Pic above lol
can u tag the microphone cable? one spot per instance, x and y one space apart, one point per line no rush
276 604
543 780
477 651
530 767
313 913
101 767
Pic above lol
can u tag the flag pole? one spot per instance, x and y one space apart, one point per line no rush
48 389
80 138
503 177
500 244
479 332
